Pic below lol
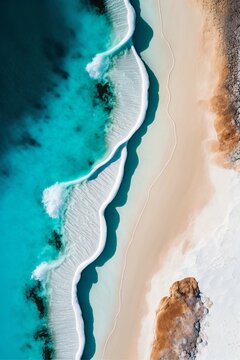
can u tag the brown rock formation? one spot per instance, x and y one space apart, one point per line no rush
224 16
178 322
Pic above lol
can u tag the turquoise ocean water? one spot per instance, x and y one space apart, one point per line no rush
53 118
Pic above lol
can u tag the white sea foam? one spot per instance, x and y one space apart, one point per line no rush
98 67
122 17
40 272
131 83
85 230
131 86
54 199
84 227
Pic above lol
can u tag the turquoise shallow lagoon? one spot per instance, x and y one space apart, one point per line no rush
53 119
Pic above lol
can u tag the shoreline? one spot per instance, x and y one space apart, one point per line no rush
127 329
111 177
54 196
116 241
79 238
149 190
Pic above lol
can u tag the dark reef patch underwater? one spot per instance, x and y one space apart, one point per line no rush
53 122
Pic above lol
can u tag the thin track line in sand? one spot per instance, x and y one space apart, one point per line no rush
154 181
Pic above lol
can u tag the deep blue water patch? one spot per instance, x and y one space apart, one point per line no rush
99 5
53 120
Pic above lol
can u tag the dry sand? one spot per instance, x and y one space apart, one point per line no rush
182 187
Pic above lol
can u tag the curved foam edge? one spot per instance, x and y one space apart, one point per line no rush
100 63
84 247
134 128
102 242
54 198
100 237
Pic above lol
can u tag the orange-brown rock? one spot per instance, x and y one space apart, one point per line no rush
178 322
224 15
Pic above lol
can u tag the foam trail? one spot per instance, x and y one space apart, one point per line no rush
85 212
131 79
128 115
84 227
122 17
131 84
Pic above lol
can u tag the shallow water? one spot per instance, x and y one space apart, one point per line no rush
53 121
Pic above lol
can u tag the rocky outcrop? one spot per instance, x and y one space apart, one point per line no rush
225 18
232 41
178 322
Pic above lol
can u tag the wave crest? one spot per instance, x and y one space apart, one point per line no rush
98 66
53 200
86 239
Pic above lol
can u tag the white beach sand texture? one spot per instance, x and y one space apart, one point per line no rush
171 184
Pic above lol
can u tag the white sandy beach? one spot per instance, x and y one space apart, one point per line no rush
172 178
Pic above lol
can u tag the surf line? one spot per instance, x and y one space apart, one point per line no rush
174 127
54 197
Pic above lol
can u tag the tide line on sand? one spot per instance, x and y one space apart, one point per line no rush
168 160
